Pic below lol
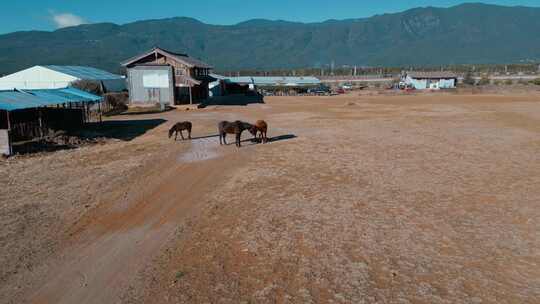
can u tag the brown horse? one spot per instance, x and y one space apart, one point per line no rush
179 127
262 127
236 128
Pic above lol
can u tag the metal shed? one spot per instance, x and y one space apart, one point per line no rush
29 114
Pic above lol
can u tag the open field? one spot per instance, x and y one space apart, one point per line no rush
357 199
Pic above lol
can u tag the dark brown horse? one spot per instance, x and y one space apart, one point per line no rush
236 128
179 127
262 127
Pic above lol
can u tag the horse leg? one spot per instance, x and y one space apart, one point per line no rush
238 137
225 138
175 135
182 135
189 133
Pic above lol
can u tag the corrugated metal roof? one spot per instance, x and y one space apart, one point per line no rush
83 72
272 81
189 61
286 81
432 75
27 99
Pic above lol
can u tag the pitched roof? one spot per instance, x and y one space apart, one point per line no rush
183 58
83 72
25 99
432 75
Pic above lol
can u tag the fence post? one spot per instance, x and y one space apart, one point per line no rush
40 123
10 149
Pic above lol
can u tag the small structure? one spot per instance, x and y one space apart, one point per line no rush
61 76
26 115
430 80
160 76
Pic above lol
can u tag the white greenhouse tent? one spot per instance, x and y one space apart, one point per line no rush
60 76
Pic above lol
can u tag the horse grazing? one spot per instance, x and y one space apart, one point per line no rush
236 128
262 127
179 127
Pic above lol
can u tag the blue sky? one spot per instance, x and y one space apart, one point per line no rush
52 14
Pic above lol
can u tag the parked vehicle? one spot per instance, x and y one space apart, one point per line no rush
322 90
339 91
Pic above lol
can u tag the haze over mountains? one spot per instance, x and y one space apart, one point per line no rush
468 33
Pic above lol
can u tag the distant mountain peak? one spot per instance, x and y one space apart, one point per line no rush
467 33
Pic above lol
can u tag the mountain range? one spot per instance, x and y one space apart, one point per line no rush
465 34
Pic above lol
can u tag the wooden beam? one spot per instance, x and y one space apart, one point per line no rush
8 121
40 123
99 110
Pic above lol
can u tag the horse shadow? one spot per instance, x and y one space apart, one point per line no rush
282 137
255 141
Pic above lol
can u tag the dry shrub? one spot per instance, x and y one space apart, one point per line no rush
93 87
523 81
484 81
115 103
536 81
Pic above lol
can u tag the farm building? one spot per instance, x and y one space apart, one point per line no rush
431 80
60 76
160 76
259 83
26 115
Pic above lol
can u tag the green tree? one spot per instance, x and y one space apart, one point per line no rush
536 81
484 80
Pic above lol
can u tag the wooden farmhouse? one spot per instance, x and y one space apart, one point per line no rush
160 76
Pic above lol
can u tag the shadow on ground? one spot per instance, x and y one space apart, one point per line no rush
145 110
90 133
255 141
119 129
282 137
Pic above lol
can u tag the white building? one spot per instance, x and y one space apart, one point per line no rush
431 80
59 76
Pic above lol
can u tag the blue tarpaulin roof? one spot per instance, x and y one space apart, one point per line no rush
83 72
27 99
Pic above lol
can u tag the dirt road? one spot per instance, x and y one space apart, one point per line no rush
387 199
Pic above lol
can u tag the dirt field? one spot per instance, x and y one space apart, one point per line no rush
356 199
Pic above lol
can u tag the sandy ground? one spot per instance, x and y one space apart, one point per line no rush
431 198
